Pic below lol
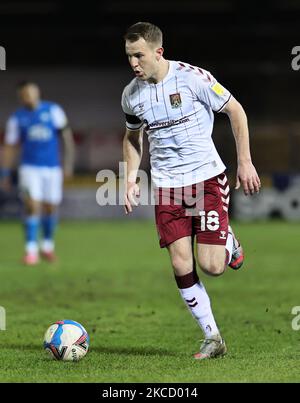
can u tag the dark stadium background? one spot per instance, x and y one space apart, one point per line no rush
75 51
110 275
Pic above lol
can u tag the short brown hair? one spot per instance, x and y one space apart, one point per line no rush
24 83
151 33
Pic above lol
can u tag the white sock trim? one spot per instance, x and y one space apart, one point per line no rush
47 245
32 248
229 245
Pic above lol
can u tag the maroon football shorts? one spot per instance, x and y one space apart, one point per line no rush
199 210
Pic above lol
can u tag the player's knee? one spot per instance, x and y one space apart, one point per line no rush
213 268
49 208
32 207
181 265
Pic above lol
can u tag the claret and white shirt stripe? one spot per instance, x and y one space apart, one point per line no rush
177 115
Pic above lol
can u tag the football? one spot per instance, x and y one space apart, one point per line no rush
66 340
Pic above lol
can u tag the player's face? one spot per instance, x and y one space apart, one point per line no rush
29 96
143 58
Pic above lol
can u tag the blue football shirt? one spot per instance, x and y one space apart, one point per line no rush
37 131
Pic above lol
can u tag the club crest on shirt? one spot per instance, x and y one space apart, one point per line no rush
175 100
44 116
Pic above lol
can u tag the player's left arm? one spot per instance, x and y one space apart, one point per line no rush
219 99
246 172
61 123
69 151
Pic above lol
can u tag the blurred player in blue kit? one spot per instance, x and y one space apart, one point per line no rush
36 128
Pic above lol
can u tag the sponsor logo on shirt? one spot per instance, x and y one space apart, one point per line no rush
175 100
168 123
39 133
218 89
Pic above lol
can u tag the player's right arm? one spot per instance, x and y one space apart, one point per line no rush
132 151
10 150
132 156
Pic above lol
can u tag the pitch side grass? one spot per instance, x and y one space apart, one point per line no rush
113 278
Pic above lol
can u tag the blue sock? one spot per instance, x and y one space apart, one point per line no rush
49 222
31 227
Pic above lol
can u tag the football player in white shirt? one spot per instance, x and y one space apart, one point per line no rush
174 104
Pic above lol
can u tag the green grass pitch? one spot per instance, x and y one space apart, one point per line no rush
114 279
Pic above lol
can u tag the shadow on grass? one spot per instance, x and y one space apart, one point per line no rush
132 351
145 351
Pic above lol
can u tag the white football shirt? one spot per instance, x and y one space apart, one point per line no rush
177 115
